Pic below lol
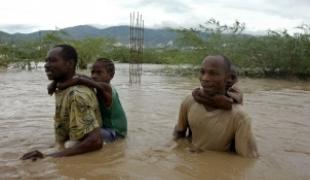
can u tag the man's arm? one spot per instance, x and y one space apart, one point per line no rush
182 124
245 143
91 142
83 123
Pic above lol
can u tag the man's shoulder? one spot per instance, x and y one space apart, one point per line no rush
238 108
80 89
188 100
80 92
239 113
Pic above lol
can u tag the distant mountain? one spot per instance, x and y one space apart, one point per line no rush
4 36
152 37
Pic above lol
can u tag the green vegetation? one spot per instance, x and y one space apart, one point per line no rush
22 53
276 54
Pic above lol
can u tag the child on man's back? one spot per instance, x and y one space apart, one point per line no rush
114 121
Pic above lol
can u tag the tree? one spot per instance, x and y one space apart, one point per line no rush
91 48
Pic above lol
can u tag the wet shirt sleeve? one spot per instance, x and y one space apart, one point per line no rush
182 124
83 118
244 139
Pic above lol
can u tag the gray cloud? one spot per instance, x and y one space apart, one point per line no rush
184 13
169 6
286 9
289 9
13 28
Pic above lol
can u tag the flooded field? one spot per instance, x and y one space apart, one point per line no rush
280 112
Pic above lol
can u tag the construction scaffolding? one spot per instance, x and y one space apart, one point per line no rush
136 40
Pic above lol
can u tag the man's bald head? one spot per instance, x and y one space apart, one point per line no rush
221 60
214 73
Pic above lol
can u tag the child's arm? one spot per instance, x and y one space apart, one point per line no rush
104 89
235 93
217 101
222 102
51 88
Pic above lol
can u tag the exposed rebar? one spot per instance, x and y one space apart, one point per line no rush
136 39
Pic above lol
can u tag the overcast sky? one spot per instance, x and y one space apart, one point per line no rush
258 15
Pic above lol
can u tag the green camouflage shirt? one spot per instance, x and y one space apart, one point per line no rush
77 113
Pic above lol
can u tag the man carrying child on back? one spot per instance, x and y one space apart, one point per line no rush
212 116
114 121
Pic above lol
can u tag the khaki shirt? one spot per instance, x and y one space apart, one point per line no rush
77 113
219 129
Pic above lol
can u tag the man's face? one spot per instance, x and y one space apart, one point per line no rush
99 73
213 75
56 67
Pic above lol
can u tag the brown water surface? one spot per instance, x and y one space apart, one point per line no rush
280 111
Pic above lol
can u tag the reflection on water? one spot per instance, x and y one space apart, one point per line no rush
280 112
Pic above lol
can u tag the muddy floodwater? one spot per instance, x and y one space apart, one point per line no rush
280 112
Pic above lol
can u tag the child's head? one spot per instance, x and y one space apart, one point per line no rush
103 70
233 77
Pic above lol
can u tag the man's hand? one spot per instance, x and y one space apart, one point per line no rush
178 134
193 149
91 142
33 155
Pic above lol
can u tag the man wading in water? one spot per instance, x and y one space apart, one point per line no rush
77 116
212 127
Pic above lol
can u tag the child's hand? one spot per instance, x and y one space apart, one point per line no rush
51 88
235 94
